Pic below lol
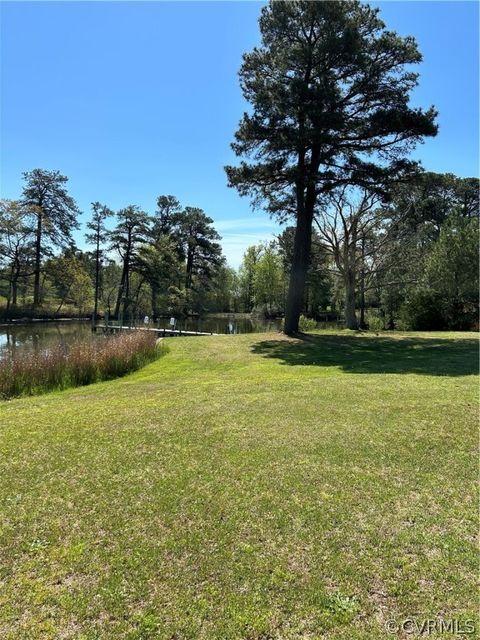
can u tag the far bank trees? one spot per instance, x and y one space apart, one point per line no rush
97 236
54 213
16 246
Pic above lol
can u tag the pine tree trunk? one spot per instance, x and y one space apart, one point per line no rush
306 196
120 293
189 269
126 297
298 273
38 255
97 279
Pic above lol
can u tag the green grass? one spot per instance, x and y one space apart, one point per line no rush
246 487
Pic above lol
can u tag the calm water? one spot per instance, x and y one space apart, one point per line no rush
239 323
38 336
42 335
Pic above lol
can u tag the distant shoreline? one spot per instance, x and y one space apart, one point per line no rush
20 321
224 314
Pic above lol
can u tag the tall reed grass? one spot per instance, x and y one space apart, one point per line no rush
82 363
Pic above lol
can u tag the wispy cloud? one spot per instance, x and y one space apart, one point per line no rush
240 233
245 224
234 245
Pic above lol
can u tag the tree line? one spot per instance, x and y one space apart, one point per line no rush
168 262
408 264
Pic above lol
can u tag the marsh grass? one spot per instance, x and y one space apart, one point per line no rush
80 364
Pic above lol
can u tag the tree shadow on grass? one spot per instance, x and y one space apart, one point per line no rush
361 354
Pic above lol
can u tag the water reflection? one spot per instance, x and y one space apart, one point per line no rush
37 336
226 324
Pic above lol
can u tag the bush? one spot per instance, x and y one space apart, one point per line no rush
423 312
307 324
374 321
304 324
83 363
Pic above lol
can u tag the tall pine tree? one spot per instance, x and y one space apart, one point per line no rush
329 88
97 237
54 213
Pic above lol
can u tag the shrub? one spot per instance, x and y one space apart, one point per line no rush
83 363
375 322
423 312
307 324
304 324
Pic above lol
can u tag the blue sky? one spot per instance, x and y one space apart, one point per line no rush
131 100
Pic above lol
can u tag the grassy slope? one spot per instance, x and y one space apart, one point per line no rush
245 487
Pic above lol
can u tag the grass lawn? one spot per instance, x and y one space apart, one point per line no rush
246 487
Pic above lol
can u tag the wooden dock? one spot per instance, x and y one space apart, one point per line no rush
164 332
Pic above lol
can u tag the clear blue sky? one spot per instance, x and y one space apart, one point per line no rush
135 99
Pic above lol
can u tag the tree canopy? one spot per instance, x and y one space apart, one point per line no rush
54 212
329 88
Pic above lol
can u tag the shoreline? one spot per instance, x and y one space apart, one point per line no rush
21 321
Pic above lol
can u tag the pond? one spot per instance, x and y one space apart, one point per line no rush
36 336
41 335
226 323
